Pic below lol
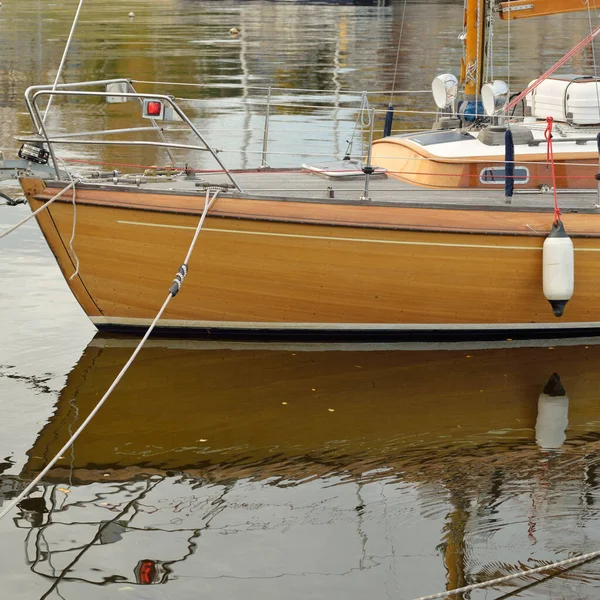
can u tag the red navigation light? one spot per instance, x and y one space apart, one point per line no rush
154 108
147 572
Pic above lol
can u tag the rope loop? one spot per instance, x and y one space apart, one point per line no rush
44 206
365 113
548 138
549 125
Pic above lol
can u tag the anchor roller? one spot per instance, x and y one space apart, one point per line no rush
558 268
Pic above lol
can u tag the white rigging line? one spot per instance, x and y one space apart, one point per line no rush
508 53
589 11
489 75
398 52
62 62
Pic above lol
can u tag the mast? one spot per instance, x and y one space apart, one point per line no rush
524 9
472 68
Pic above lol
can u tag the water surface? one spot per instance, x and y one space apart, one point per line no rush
270 471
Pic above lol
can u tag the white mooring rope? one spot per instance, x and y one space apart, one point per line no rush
485 584
174 289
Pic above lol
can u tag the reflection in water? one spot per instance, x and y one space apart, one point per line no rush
331 52
352 470
248 472
553 415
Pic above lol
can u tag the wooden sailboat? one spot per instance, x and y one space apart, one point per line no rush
285 252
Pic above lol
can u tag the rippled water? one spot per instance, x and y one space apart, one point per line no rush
283 471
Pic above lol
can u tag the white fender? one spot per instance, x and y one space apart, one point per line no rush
558 268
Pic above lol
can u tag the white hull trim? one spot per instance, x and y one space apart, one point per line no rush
105 322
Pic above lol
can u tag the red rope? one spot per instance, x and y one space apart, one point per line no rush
582 44
550 162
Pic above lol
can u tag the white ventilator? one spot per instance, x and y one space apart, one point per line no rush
558 268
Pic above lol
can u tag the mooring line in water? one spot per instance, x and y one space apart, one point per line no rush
173 290
569 562
521 589
40 209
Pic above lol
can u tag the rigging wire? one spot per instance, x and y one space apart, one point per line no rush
582 44
363 119
286 90
398 53
478 65
62 62
589 11
508 59
489 66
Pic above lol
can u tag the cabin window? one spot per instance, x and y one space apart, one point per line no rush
498 175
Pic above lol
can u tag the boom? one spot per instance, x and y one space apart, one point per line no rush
524 9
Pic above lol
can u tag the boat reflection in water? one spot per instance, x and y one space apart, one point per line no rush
262 471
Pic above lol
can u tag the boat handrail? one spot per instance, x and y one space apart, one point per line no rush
180 105
60 86
33 93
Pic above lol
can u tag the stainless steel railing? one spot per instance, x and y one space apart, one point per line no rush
34 93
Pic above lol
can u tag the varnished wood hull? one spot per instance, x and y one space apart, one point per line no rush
302 267
413 164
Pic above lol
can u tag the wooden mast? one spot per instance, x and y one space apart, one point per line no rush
524 9
472 68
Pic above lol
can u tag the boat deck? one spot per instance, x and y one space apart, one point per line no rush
303 185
